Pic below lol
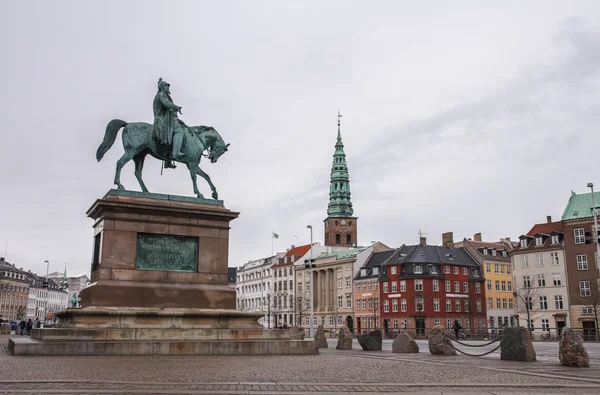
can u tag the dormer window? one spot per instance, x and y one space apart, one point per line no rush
523 243
363 272
485 251
539 241
393 270
493 252
504 253
554 239
433 269
418 269
375 270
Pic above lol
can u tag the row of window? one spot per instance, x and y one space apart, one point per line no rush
435 284
554 261
371 286
499 268
540 240
486 251
420 307
503 285
558 302
418 269
501 303
541 280
367 304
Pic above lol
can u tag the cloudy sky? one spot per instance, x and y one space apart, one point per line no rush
457 116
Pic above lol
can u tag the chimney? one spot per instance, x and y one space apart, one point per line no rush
1 259
549 218
448 239
423 241
477 237
507 239
293 246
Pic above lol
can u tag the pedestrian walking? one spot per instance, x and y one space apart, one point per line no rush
457 328
22 326
29 326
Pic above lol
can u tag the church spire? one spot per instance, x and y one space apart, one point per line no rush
340 204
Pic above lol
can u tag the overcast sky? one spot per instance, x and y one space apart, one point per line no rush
461 116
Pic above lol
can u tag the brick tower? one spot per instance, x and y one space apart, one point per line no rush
340 224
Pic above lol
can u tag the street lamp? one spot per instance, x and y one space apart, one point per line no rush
47 285
312 291
591 186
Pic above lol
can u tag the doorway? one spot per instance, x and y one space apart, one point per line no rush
589 330
350 324
559 327
420 326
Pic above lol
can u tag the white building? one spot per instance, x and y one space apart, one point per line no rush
254 284
540 280
44 302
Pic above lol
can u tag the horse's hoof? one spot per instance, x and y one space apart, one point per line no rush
200 196
215 196
121 187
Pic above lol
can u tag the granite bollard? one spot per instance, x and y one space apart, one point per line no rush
370 341
571 351
320 338
516 345
404 343
439 343
344 339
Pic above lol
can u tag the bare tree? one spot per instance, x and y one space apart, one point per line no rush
527 302
594 304
301 307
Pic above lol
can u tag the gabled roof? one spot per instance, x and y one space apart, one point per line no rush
499 246
297 252
545 230
432 254
580 206
375 260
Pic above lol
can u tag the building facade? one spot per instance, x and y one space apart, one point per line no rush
540 280
423 286
494 260
46 298
14 291
341 226
254 287
580 240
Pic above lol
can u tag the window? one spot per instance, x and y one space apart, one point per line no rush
509 286
348 268
554 259
489 285
457 305
358 288
375 286
394 286
579 236
418 304
395 305
541 280
447 269
337 239
582 263
466 287
370 286
357 304
545 325
436 322
449 323
393 270
558 302
540 260
502 269
488 268
524 262
395 324
498 303
497 282
494 252
523 243
433 269
448 305
418 269
340 301
403 286
526 282
376 303
496 268
587 310
478 288
539 241
300 287
455 269
556 279
370 306
364 304
436 304
530 325
465 271
528 303
554 239
348 282
504 303
418 285
436 285
510 306
364 287
584 288
448 286
507 269
386 306
456 287
385 288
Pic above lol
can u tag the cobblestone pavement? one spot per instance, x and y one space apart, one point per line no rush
332 371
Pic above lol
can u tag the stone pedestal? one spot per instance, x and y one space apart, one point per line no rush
158 286
516 345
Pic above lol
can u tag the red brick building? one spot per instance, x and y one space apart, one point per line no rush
422 286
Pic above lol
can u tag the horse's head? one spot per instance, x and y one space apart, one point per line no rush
217 148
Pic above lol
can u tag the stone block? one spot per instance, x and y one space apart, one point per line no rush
5 329
516 345
370 341
344 339
297 333
439 342
571 351
320 338
404 343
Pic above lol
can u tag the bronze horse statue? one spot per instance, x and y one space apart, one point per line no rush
138 142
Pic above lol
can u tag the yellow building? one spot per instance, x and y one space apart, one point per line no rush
496 266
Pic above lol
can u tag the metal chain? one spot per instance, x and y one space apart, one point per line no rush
473 345
474 355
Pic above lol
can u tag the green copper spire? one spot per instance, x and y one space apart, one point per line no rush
340 204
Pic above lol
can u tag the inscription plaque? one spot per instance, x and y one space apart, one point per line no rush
166 252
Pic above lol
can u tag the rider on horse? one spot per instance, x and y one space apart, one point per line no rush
168 129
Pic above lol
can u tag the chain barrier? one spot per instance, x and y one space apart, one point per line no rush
473 345
475 355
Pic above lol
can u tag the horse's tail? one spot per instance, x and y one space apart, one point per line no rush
110 136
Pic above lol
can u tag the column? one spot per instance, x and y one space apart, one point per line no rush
327 288
320 289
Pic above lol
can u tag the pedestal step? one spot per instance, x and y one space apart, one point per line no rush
29 346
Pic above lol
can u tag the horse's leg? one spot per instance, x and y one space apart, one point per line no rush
139 165
202 174
193 175
127 156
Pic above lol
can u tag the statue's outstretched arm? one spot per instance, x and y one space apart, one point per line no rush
166 102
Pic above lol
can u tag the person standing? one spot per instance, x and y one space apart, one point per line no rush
456 328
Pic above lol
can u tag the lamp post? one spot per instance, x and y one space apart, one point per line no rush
591 186
312 291
47 285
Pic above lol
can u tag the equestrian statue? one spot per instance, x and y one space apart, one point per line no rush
168 139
